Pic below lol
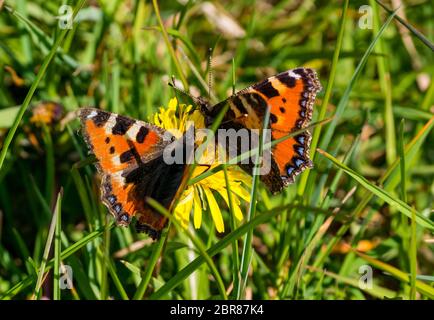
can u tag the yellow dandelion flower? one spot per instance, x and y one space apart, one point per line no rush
201 195
175 118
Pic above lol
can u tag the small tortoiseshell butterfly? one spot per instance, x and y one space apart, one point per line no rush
290 95
129 152
130 162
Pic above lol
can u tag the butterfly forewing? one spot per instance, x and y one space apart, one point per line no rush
129 160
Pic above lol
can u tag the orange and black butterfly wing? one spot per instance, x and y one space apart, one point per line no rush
290 95
130 161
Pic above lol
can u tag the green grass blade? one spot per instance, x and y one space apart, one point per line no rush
194 265
35 84
112 270
169 46
7 116
413 256
398 274
247 253
328 92
389 175
49 164
156 252
381 193
21 244
413 30
116 281
42 40
386 87
301 265
176 34
25 40
376 291
84 197
57 246
197 243
411 113
428 98
325 141
252 152
233 223
50 236
392 175
105 249
402 160
65 254
219 246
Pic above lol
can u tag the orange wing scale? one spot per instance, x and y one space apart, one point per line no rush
290 96
108 147
123 146
284 114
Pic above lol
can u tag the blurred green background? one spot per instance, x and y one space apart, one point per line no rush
369 218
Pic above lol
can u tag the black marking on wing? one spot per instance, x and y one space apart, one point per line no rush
101 118
130 154
107 187
141 135
299 149
287 80
300 71
299 124
126 156
154 234
256 102
122 125
300 139
111 198
156 179
267 89
117 208
289 168
239 104
124 218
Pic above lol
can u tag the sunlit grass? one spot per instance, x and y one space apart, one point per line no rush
367 201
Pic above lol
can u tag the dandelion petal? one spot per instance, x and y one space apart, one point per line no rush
197 213
215 210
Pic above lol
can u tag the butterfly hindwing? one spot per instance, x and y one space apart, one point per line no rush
130 161
290 95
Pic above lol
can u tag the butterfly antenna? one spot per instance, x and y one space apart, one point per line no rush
177 89
196 100
173 85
